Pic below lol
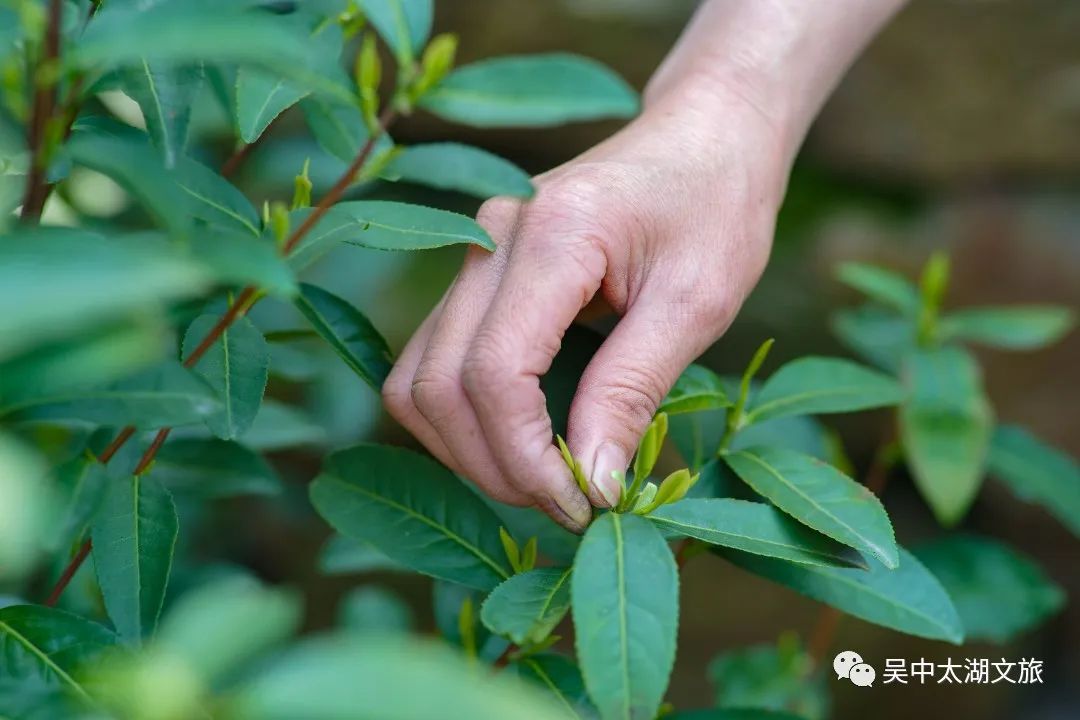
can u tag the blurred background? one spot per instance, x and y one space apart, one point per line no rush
959 129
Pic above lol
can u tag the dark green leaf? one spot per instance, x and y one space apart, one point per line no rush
343 555
134 537
820 496
908 599
884 286
1020 327
818 385
213 468
165 93
559 676
279 426
875 334
374 609
83 482
260 98
236 367
348 332
625 592
403 24
528 606
466 169
1037 472
241 259
751 527
340 129
531 91
766 679
698 388
998 592
413 510
945 427
214 199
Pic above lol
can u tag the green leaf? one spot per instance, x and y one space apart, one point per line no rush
340 129
84 482
213 468
466 169
884 286
344 555
1019 327
166 395
26 508
908 599
413 510
625 592
559 676
555 541
765 679
819 385
43 649
241 259
945 427
91 280
998 592
752 527
261 97
374 609
348 332
236 367
733 714
134 537
166 94
385 225
279 426
875 334
819 496
531 91
455 617
528 606
697 389
403 24
221 626
213 199
1037 473
336 677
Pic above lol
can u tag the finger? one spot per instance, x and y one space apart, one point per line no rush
628 378
437 390
549 279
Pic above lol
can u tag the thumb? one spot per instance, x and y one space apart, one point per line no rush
625 383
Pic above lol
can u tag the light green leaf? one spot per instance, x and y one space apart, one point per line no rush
531 91
998 592
213 469
385 225
165 395
348 332
241 259
875 334
43 649
236 367
945 427
466 169
763 680
884 286
26 508
1019 327
559 676
752 527
134 537
372 609
343 555
340 129
819 385
166 94
908 599
261 97
212 198
528 606
734 714
333 678
625 592
1037 472
819 496
413 510
403 24
219 627
697 389
278 426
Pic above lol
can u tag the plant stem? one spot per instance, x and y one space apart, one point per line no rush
44 103
504 659
243 303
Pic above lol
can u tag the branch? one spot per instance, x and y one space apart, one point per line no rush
45 89
69 572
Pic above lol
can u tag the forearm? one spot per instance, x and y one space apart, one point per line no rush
781 57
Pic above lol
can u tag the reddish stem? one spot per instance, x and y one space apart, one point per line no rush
69 572
37 188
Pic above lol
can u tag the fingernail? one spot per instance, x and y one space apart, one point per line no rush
576 517
609 458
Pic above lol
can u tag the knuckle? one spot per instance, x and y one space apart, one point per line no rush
396 395
485 368
497 214
632 396
434 392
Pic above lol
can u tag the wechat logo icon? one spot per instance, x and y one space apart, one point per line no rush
849 665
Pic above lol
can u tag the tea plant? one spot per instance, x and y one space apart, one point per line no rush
133 384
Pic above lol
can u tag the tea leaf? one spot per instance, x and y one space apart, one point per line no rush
998 592
875 334
819 496
374 609
84 482
453 166
348 332
945 427
818 385
403 24
559 676
1037 473
213 199
236 367
240 259
755 683
908 598
531 91
697 389
648 451
340 129
213 468
625 598
884 286
528 606
260 98
513 552
752 527
342 555
414 511
134 537
1019 327
166 94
